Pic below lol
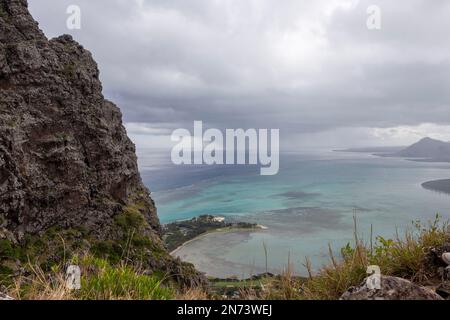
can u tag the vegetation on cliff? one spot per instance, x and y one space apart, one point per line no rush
414 256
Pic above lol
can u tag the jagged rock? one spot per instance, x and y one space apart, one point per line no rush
4 297
446 258
444 290
392 288
435 255
66 162
434 265
446 273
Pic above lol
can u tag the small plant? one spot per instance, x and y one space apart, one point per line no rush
69 71
62 136
130 219
3 13
266 255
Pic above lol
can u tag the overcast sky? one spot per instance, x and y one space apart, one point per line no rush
311 68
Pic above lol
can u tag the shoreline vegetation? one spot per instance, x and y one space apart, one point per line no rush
180 233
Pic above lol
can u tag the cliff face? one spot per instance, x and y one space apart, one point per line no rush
66 162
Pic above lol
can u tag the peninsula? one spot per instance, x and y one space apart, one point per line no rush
177 233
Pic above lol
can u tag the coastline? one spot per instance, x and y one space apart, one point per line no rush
441 186
219 230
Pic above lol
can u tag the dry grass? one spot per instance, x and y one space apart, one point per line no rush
100 281
193 294
402 257
41 286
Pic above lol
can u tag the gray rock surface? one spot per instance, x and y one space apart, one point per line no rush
434 264
444 290
64 155
65 159
4 297
392 288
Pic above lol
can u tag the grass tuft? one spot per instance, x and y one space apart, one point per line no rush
100 281
404 257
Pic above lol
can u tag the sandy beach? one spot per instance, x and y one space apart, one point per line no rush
222 231
203 251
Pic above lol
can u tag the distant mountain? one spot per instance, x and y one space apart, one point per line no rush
427 148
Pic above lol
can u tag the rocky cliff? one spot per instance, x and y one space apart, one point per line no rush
69 179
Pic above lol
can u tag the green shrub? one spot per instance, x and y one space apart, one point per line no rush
3 13
130 219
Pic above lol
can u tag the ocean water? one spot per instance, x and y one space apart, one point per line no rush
307 207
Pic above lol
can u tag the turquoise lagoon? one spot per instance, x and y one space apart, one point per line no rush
308 206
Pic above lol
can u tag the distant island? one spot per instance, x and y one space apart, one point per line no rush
425 150
177 233
373 150
442 186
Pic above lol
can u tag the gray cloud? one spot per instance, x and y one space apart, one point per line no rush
311 68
